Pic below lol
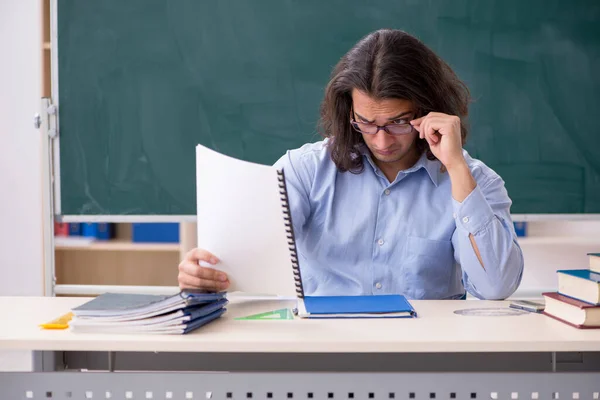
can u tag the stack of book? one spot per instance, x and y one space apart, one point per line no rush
577 301
138 313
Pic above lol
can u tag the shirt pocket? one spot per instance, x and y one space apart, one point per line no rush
427 268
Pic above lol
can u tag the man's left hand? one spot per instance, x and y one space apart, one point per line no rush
442 132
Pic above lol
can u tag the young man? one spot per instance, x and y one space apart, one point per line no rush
390 202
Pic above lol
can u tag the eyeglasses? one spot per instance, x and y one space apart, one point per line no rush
372 129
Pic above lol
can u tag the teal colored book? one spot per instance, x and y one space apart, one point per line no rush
594 261
580 284
370 306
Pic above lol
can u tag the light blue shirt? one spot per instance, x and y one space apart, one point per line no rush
360 234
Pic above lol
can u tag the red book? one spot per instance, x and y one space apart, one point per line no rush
61 229
571 311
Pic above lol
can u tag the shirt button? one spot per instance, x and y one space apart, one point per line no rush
466 220
381 242
378 285
387 192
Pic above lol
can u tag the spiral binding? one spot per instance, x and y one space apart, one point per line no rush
287 217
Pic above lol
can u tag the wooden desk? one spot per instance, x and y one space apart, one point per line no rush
438 329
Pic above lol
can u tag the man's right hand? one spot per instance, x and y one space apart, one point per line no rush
193 275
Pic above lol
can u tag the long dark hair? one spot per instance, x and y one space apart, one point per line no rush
388 64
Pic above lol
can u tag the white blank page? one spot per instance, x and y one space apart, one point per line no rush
241 221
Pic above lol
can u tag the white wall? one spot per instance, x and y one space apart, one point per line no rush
20 156
550 246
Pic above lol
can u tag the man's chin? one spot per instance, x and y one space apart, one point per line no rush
388 158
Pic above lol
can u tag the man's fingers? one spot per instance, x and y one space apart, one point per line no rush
189 281
193 275
202 255
193 269
443 125
417 121
418 129
426 132
434 128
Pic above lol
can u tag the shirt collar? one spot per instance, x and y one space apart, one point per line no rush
433 167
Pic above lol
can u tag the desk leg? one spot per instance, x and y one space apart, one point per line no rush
47 361
111 361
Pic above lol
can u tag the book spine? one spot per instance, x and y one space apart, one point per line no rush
74 229
61 229
287 216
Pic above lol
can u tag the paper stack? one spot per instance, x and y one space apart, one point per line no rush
157 314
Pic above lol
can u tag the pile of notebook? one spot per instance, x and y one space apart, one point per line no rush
577 301
157 314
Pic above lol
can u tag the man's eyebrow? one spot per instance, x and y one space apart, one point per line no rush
363 118
389 119
400 115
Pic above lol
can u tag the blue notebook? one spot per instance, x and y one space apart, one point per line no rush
376 306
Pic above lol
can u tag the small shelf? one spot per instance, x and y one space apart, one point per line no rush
560 240
115 245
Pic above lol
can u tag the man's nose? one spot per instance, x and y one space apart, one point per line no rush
382 139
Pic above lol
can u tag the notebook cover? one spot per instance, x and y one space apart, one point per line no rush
569 300
195 297
128 301
198 322
376 304
568 323
594 254
582 273
200 311
121 301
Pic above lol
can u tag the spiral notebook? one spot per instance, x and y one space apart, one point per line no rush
244 219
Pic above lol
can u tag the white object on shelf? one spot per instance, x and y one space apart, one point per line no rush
72 241
558 240
94 290
114 245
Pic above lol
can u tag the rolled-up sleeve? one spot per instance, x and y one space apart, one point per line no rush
485 214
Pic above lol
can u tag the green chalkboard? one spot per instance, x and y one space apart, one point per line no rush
141 82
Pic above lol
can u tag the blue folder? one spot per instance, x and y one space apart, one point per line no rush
198 322
192 313
376 306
